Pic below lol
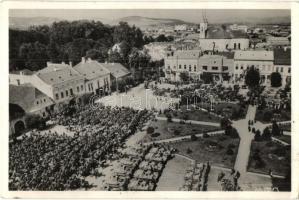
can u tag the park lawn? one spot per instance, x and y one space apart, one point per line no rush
166 129
201 152
285 138
259 116
278 164
194 114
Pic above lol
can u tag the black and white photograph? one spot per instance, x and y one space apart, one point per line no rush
150 100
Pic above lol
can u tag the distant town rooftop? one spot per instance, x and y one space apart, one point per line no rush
222 32
254 55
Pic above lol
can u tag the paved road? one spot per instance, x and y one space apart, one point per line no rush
192 121
245 140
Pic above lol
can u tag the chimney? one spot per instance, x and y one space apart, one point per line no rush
285 49
89 60
48 63
63 62
71 63
106 62
83 60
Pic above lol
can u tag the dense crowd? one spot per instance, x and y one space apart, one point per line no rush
52 161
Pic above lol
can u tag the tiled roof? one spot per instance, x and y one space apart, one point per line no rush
91 69
25 96
58 74
282 56
116 69
254 55
24 71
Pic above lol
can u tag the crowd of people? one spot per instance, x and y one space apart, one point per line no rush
52 161
196 177
140 168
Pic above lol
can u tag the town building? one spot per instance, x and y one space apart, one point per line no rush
30 99
96 77
195 63
236 27
220 38
60 82
282 63
261 60
117 71
278 41
180 28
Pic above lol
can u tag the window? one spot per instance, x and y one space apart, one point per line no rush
224 68
180 66
185 67
190 69
276 69
241 67
71 91
237 67
168 66
56 96
66 93
205 67
239 46
195 68
78 89
281 69
44 100
81 87
18 81
62 95
235 45
214 68
37 103
289 70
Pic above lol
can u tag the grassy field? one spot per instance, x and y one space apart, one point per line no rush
260 116
285 138
166 130
212 149
193 114
273 155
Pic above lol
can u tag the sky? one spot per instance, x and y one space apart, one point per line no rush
193 15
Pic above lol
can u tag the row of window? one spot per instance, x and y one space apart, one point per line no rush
68 92
40 101
204 67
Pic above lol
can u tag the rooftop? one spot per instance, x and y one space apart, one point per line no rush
254 55
116 69
91 69
25 96
58 73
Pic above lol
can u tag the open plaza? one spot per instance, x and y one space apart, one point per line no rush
98 111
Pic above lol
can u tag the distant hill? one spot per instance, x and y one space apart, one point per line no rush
144 22
24 23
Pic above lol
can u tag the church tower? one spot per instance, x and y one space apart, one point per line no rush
203 26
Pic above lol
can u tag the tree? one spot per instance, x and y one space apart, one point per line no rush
275 129
275 79
161 38
207 78
35 121
34 55
266 134
150 130
252 77
257 136
184 76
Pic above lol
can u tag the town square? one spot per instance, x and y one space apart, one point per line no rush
150 104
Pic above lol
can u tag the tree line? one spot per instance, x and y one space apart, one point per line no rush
69 41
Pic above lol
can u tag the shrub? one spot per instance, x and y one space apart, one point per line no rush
35 121
229 151
193 137
150 130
